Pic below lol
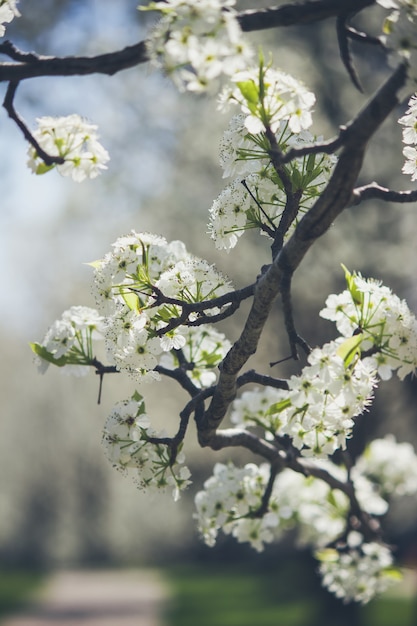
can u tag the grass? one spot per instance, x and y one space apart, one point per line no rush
16 588
225 595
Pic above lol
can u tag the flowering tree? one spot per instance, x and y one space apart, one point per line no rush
158 304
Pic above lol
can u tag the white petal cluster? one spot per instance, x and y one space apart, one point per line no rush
318 410
126 443
390 466
8 11
267 97
73 139
409 121
229 502
359 572
383 320
232 498
260 202
204 347
69 341
400 32
126 284
197 41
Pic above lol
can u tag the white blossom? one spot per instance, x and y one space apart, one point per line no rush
69 341
130 285
73 139
126 443
259 200
196 43
318 410
8 11
284 99
381 320
357 573
204 347
390 466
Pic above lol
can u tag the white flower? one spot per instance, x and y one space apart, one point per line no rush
126 443
73 139
284 99
69 341
357 573
196 43
409 121
205 348
229 499
259 200
381 320
410 165
390 466
8 11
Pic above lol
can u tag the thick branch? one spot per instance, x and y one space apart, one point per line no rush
299 13
335 198
32 65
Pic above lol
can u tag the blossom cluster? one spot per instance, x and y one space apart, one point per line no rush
381 322
141 287
409 121
69 341
196 41
267 97
8 11
232 498
256 197
132 446
400 32
75 141
233 501
359 571
318 410
390 466
378 336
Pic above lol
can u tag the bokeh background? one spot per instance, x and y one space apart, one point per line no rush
61 503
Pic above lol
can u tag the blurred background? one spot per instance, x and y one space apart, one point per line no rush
61 503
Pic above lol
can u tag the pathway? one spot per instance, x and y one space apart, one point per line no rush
97 598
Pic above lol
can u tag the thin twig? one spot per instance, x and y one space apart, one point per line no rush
373 191
8 104
294 338
344 48
266 381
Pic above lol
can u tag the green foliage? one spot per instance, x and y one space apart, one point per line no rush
16 588
225 595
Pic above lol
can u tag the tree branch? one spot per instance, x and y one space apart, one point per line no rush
373 191
299 13
345 54
334 199
31 65
8 104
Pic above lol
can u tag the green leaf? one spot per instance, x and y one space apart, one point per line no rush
327 555
349 349
278 407
132 300
250 92
137 397
357 295
95 264
43 353
393 573
42 168
311 159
